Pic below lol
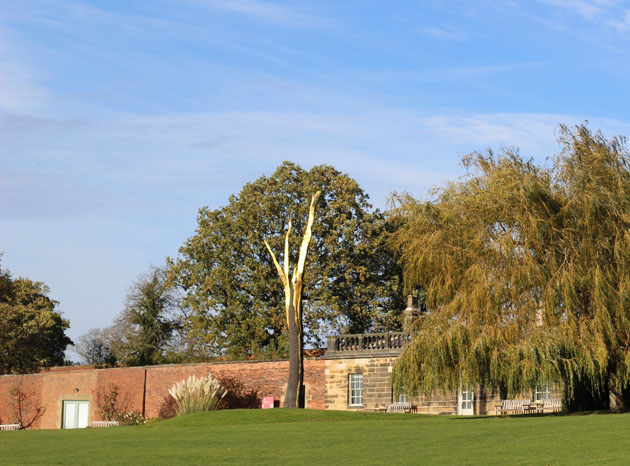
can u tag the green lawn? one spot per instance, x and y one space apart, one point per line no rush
332 437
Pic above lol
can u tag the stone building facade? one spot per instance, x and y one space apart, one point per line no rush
369 359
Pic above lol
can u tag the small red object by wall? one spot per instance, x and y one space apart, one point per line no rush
267 402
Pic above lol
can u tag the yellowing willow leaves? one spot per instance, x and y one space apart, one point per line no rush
527 272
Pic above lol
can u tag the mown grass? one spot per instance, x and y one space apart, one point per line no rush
332 437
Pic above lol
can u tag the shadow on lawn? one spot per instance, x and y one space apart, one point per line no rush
533 415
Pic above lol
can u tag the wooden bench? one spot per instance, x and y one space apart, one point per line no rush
550 405
9 427
105 423
401 407
512 406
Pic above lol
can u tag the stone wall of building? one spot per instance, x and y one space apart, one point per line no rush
377 388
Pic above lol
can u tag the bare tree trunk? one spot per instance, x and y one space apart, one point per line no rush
615 395
296 364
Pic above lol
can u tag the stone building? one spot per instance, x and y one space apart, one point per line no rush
358 370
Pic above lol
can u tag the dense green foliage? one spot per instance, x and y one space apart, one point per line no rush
32 332
526 270
281 436
351 281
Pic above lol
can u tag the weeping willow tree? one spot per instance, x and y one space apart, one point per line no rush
526 269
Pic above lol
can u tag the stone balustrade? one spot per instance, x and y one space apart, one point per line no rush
376 344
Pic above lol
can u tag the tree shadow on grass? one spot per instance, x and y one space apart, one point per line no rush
533 415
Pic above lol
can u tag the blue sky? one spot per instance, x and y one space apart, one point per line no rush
119 120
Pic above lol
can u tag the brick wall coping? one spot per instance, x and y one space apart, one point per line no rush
88 368
329 355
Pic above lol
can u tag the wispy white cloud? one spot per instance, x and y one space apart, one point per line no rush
453 73
607 13
469 71
20 88
534 134
622 22
385 148
259 9
444 33
587 9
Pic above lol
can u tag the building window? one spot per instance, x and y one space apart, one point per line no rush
355 393
401 397
543 391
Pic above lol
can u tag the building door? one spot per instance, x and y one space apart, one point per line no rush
466 401
75 414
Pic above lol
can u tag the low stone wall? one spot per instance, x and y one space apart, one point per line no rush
146 387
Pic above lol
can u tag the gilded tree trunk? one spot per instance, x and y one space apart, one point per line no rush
294 397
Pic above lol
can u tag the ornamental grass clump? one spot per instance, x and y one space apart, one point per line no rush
196 394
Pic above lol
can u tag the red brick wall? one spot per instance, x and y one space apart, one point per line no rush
315 382
31 384
49 389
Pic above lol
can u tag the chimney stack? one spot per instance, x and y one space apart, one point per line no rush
410 313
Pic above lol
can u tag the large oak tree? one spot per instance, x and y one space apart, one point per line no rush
526 269
230 282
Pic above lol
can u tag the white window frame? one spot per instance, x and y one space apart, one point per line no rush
542 392
466 407
400 397
355 389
